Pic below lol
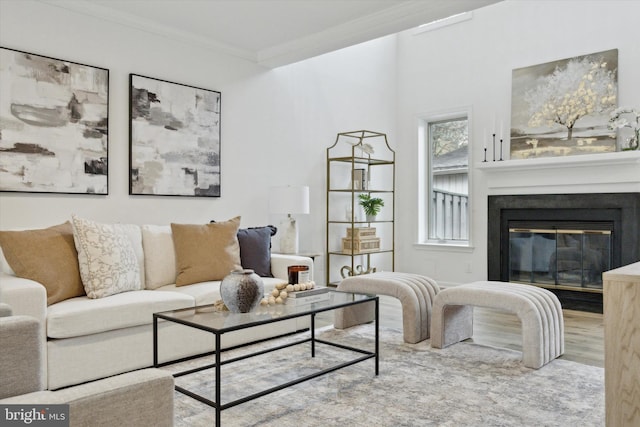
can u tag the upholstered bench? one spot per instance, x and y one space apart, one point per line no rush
416 294
539 311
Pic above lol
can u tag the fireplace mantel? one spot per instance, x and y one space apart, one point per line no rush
587 173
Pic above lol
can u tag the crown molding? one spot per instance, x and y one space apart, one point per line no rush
135 22
399 17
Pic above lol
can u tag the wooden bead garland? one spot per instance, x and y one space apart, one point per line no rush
281 292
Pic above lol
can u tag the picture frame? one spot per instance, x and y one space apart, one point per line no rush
562 107
174 139
359 179
54 125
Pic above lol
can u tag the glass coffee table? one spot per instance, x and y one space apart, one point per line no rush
210 319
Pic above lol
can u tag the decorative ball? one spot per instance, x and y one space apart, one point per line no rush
284 294
289 288
279 300
296 287
281 286
311 285
275 293
272 300
264 301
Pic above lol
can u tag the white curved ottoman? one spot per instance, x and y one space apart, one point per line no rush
539 311
415 292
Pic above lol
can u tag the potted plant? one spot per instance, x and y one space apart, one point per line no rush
627 117
371 205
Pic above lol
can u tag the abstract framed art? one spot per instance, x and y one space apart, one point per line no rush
562 107
54 125
174 139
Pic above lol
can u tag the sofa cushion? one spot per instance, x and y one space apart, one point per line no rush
206 252
209 292
202 293
107 260
255 249
159 256
85 316
47 256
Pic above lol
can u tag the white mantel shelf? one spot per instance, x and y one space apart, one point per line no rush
586 173
584 160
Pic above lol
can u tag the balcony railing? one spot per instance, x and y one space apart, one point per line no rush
450 216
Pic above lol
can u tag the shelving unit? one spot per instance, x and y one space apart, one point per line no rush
357 153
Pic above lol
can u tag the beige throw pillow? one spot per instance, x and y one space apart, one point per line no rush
206 252
107 260
47 256
159 256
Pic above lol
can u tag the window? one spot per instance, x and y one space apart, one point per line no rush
444 186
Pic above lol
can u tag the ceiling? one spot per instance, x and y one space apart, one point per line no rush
271 32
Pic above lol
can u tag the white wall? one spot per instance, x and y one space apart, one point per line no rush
276 124
470 64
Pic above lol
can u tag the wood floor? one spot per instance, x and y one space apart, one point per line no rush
583 335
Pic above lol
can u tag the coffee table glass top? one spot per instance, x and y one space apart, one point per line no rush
211 318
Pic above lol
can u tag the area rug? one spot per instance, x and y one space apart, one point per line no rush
466 384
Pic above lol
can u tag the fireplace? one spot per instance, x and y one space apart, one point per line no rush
550 253
563 242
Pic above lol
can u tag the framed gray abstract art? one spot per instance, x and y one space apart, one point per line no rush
53 125
562 108
174 139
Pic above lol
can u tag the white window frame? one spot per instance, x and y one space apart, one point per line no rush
425 174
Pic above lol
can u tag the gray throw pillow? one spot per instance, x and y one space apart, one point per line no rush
255 249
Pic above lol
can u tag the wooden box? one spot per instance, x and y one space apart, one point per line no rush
361 232
360 246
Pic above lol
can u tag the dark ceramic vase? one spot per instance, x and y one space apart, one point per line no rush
241 291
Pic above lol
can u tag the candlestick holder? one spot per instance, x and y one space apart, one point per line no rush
485 155
500 149
494 147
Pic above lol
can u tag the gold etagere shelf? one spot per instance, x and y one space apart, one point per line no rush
359 162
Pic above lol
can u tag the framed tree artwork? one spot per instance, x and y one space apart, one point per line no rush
54 125
562 108
174 139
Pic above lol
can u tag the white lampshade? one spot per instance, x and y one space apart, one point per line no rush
289 200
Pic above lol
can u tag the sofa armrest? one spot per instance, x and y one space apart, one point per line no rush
21 356
280 262
138 398
25 297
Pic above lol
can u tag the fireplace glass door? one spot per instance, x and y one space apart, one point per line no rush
559 258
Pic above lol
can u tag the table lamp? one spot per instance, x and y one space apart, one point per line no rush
289 200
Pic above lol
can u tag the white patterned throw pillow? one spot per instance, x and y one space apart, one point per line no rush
106 257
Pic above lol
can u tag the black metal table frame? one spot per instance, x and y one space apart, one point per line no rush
218 362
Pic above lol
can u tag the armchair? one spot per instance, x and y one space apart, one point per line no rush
138 398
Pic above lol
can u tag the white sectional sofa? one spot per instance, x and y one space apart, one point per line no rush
92 338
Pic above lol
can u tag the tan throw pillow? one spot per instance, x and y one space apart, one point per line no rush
106 257
206 252
47 256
